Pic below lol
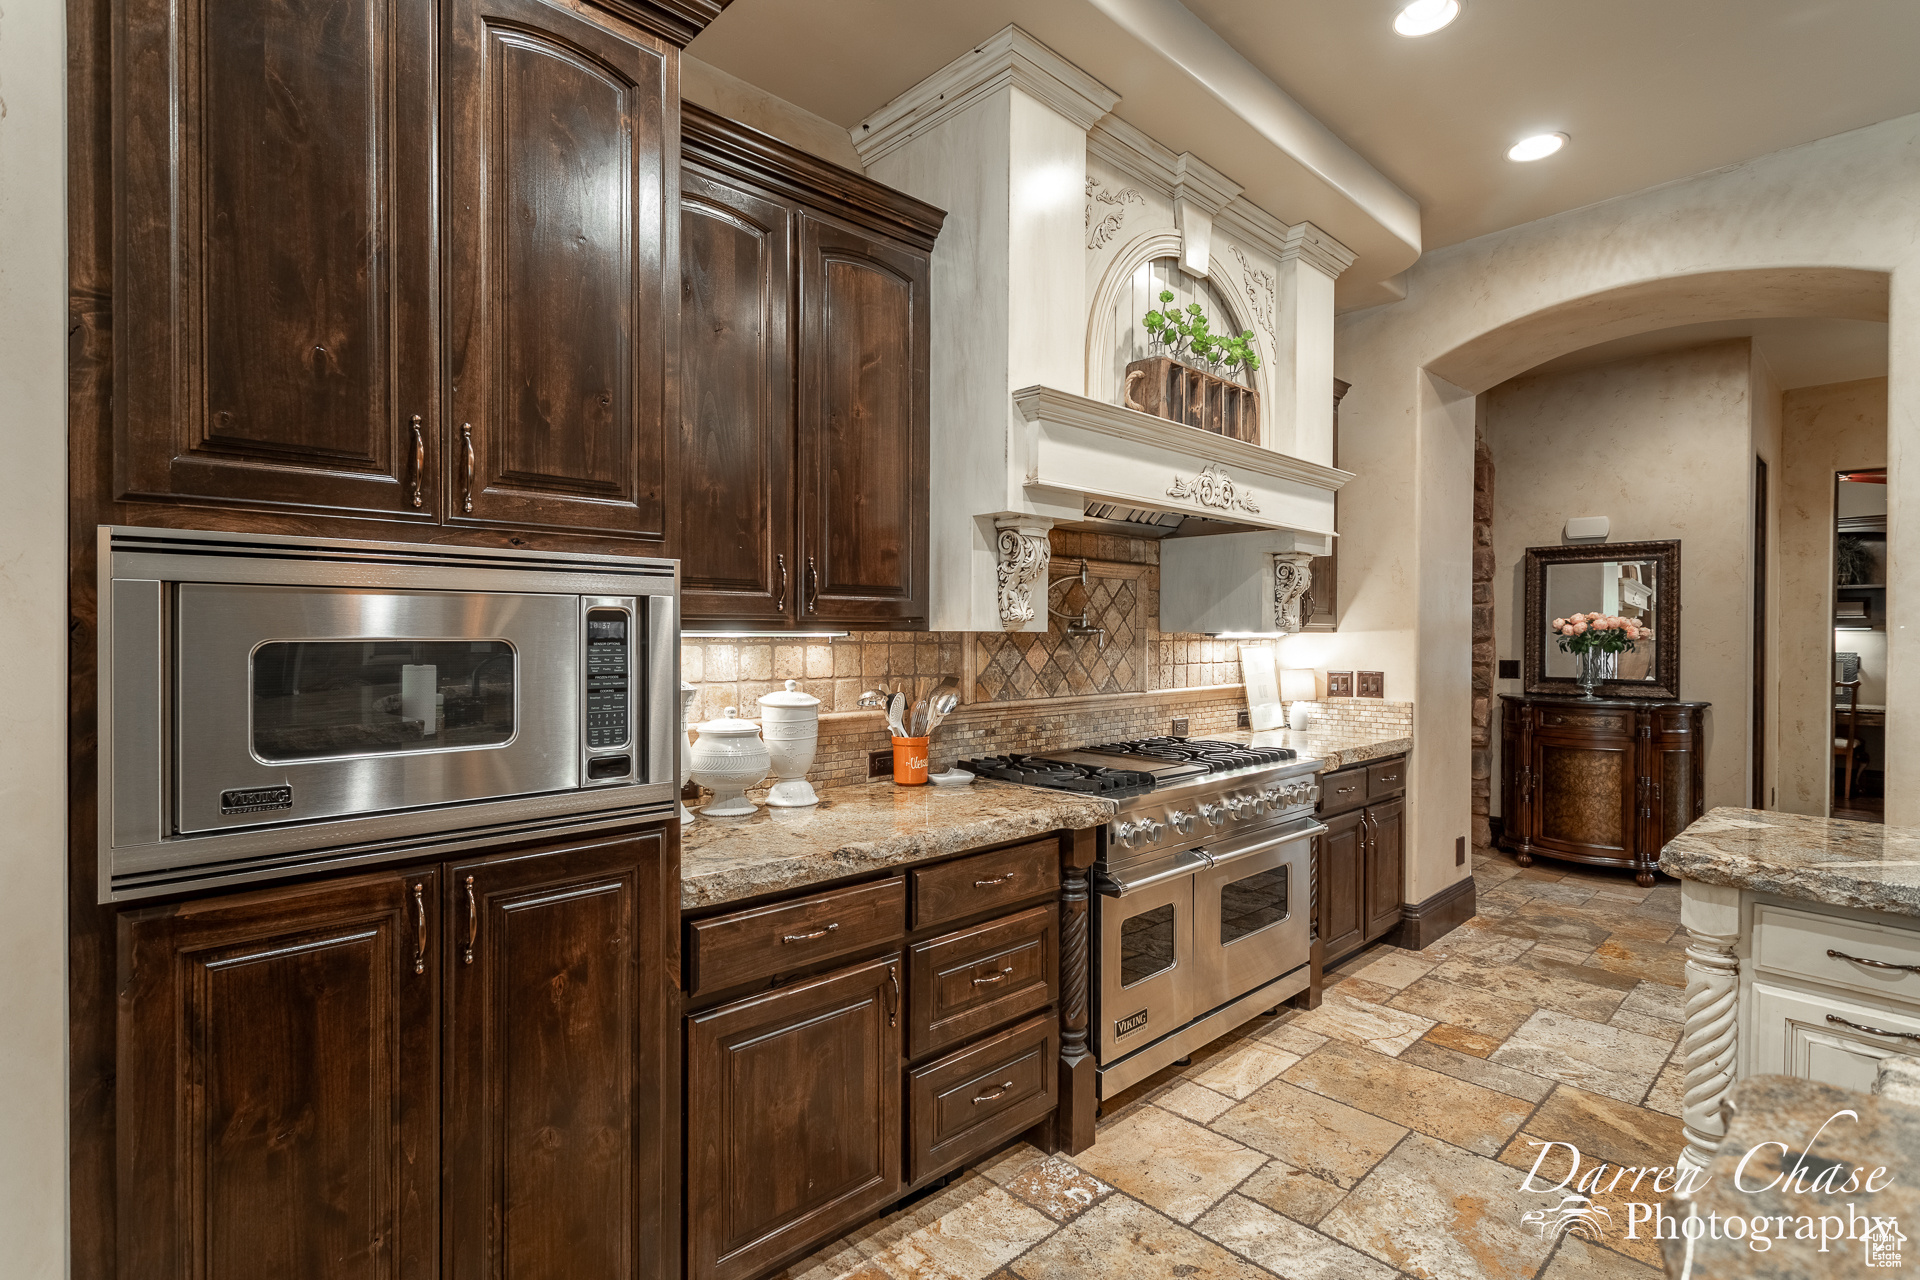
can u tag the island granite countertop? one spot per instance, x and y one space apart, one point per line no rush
862 828
1847 864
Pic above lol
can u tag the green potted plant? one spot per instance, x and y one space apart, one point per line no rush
1190 375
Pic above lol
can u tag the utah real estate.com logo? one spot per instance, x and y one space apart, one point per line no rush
1795 1174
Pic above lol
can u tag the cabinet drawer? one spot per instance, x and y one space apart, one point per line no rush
737 948
968 1102
967 982
1586 721
1388 778
1342 791
985 881
1816 1036
1798 944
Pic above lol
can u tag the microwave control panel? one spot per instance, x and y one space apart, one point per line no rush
609 678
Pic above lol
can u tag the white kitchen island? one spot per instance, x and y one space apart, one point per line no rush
1803 954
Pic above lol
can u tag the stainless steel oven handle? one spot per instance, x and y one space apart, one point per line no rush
1114 887
1288 836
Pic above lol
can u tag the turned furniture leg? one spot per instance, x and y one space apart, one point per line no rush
1711 914
1073 1123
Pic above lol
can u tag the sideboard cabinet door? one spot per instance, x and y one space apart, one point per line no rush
278 1086
863 427
559 236
274 272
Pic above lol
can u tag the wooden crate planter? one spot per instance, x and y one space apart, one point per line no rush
1165 388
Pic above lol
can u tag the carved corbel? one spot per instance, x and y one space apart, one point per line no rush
1292 575
1023 554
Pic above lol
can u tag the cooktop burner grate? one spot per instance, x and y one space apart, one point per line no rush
1038 771
1217 757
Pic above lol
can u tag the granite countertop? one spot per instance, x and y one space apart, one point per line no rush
1773 1110
1338 747
1847 864
867 827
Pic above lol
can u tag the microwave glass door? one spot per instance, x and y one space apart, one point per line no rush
314 699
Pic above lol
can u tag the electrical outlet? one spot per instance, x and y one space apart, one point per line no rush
1372 684
1243 720
1179 728
879 764
1339 684
1459 851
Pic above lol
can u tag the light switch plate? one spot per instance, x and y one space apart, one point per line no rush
1339 684
880 764
1179 727
1373 684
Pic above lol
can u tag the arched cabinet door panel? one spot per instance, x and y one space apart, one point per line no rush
274 270
863 427
559 233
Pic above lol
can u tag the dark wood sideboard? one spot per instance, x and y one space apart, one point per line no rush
1599 780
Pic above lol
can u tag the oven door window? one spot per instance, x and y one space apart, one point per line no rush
323 699
1253 903
1146 945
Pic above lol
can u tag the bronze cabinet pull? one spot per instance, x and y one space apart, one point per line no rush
473 923
813 585
419 458
997 1091
466 492
420 929
1874 964
982 884
781 603
1873 1031
809 937
993 977
893 1009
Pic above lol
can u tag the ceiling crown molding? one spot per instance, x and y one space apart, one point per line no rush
1132 152
1317 249
1011 57
1199 183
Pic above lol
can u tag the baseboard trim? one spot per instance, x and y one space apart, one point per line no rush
1424 923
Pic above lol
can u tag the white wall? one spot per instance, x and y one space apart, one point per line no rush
1662 446
33 610
1823 229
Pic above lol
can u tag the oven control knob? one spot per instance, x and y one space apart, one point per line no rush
1124 833
1277 795
1215 814
1150 829
1241 807
1182 821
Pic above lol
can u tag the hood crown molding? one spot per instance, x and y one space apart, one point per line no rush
1011 57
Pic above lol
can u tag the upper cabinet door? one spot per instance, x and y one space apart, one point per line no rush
735 385
559 235
274 323
863 428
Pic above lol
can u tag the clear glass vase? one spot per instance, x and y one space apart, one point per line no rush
1596 665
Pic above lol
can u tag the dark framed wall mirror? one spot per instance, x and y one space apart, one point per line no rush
1636 580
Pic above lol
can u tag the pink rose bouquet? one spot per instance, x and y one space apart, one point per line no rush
1585 632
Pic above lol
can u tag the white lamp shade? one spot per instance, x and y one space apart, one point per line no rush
1297 683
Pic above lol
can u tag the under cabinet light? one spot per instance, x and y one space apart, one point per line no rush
1424 17
763 635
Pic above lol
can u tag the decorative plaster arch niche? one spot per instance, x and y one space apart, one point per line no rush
1102 333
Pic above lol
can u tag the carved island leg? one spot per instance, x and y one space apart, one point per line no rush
1073 1123
1711 914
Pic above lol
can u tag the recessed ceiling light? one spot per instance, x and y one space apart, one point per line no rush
1424 17
1538 147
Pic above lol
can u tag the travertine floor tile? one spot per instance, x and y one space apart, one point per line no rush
1390 967
1578 1260
1668 1094
1284 1247
1605 1128
1661 999
1463 1006
1466 1115
1653 961
1491 1075
1658 1028
1239 1073
1058 1188
1435 1211
1588 1055
969 1239
1557 924
1363 1022
1122 1239
1458 1039
1173 1164
1291 1191
1571 989
1193 1101
1283 1033
1326 1138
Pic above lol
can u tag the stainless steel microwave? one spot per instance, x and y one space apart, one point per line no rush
271 706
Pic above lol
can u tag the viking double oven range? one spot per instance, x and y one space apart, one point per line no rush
1202 909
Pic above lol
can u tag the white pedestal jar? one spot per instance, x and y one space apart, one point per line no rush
727 759
687 694
790 723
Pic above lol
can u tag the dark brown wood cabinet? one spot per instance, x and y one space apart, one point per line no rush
457 1070
1360 862
802 393
793 1117
559 236
1599 780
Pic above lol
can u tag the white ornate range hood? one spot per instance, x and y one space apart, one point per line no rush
1054 208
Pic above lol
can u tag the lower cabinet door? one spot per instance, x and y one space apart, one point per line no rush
1817 1035
1386 865
558 1130
969 1102
793 1117
277 1086
1343 881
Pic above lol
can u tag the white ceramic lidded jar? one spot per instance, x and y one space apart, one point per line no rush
727 759
790 723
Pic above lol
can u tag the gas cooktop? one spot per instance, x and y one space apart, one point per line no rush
1218 757
1062 775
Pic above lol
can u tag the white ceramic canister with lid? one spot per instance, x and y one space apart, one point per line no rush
790 723
728 758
